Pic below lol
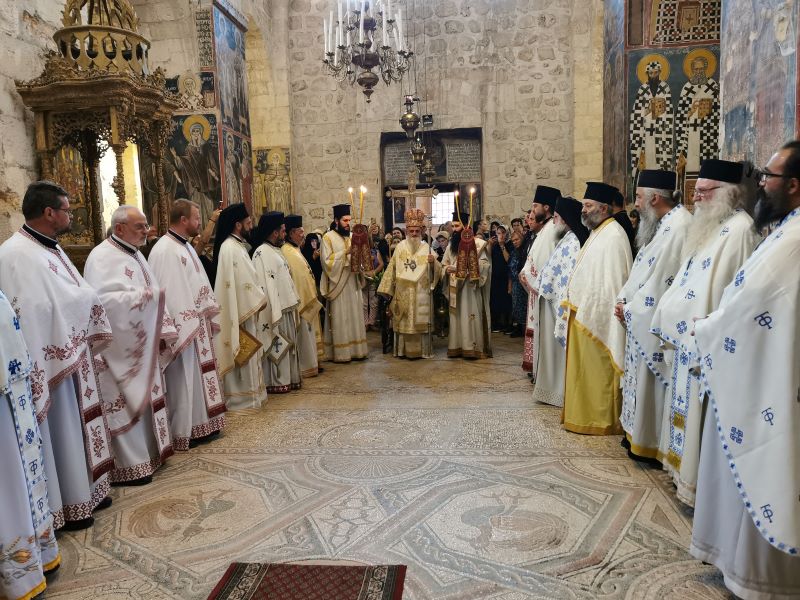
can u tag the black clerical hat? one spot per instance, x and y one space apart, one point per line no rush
341 210
228 217
270 221
233 213
569 209
601 192
721 170
660 180
546 195
293 222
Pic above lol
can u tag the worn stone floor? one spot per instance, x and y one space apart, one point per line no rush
443 465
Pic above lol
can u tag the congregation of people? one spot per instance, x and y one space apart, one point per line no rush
676 330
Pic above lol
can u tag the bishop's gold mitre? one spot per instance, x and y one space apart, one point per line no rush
415 217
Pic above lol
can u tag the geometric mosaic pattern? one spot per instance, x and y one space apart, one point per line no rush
687 21
443 465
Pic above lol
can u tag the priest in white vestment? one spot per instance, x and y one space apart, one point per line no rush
277 323
544 204
195 400
554 277
310 349
595 339
241 298
27 538
747 518
345 333
466 282
409 280
661 235
130 370
39 279
720 238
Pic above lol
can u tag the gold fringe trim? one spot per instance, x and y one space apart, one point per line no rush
35 591
643 451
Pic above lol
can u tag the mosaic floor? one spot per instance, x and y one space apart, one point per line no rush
443 465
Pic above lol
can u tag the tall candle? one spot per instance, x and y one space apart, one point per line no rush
399 29
471 194
350 191
361 202
324 39
340 10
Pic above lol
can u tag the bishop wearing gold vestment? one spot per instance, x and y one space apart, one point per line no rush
409 280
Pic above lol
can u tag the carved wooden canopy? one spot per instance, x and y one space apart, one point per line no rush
96 92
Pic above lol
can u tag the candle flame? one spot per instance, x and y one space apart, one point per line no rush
363 190
350 189
472 190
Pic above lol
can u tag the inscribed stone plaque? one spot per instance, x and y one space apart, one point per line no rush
463 160
397 162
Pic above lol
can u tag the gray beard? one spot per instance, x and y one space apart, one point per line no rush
706 220
648 224
413 244
698 79
561 230
592 222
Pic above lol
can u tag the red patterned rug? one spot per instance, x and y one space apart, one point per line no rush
258 581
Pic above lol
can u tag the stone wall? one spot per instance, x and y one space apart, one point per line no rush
26 30
506 66
589 104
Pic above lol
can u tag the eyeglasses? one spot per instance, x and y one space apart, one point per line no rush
763 175
66 210
140 226
704 193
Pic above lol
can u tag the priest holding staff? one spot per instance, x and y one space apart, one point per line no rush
409 280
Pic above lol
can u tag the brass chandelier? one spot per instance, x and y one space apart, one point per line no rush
354 48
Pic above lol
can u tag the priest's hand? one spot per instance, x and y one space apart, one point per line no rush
430 259
450 269
619 312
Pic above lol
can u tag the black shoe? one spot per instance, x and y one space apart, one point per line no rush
516 334
320 370
625 443
104 504
140 481
194 442
644 459
53 570
78 525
